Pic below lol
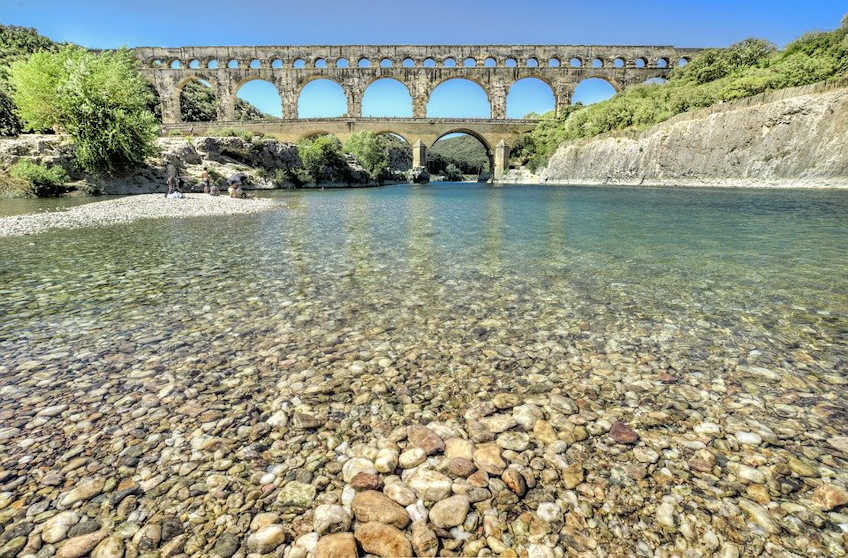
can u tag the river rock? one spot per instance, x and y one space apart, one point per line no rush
356 465
382 540
430 485
78 546
459 448
296 495
266 539
623 434
386 461
84 490
425 439
450 512
371 505
226 545
337 545
830 496
330 518
56 528
412 458
487 457
111 547
424 540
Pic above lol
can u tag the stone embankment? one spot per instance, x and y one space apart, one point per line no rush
134 208
789 138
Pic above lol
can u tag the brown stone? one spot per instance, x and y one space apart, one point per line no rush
480 479
572 475
830 496
338 545
514 480
370 505
623 434
383 540
488 458
366 481
424 540
461 467
425 439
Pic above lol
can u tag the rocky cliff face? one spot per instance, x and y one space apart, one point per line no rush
795 137
260 159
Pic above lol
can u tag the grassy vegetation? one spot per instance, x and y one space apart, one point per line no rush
715 75
246 135
35 180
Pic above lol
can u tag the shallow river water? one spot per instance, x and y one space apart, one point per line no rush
365 310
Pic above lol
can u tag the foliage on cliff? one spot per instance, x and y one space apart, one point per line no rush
323 160
99 99
371 151
198 103
713 76
16 43
39 180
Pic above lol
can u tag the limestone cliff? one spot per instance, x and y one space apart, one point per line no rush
792 137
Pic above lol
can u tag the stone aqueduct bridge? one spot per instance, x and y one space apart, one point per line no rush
420 68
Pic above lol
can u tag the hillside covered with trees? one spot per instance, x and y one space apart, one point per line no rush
713 76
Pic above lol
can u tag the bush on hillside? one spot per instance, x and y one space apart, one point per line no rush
371 151
322 159
40 180
742 70
16 43
99 99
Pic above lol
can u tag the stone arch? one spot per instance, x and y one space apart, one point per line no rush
435 85
302 86
590 90
237 87
449 62
319 62
541 103
386 80
484 142
197 109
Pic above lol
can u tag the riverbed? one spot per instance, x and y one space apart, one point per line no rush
544 369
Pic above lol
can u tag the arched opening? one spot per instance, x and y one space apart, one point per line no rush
408 63
385 63
213 65
277 63
364 63
662 63
321 98
320 63
597 63
532 63
157 63
299 63
458 98
398 151
449 63
258 100
387 97
233 64
198 101
576 63
457 156
429 63
554 63
342 63
510 63
255 64
490 62
529 97
618 62
655 81
194 64
640 63
469 62
682 62
592 90
176 65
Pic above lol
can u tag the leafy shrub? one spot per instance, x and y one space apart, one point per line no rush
16 43
41 181
370 150
452 173
322 159
99 99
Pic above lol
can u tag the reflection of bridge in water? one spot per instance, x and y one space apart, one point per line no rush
421 69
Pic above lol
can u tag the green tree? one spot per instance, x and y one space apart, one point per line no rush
198 103
370 150
453 173
99 99
322 158
16 43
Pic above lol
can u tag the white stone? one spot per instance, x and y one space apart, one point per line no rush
356 465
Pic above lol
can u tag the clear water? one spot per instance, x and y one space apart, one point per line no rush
687 275
38 205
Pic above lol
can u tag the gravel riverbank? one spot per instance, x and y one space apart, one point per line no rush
133 208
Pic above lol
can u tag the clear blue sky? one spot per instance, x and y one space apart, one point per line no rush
112 23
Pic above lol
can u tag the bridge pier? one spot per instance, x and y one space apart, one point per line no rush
501 160
419 154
